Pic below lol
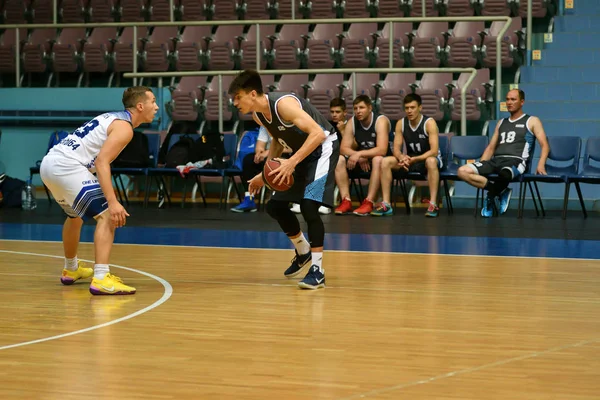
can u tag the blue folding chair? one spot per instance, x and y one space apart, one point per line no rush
462 149
565 149
589 173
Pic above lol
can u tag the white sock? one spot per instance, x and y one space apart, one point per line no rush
249 195
71 263
100 271
301 244
317 259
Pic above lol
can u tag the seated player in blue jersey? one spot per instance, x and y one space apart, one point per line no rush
253 164
507 155
420 134
297 126
364 144
67 170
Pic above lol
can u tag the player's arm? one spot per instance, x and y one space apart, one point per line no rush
398 140
276 149
347 143
119 134
538 130
382 129
491 148
290 110
434 142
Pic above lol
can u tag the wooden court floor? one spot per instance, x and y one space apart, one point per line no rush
389 326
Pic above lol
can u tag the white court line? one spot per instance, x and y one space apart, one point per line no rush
166 295
472 369
326 250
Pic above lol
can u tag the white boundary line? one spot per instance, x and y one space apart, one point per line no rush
166 295
326 250
376 392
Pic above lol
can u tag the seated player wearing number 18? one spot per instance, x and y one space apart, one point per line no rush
507 155
67 171
294 124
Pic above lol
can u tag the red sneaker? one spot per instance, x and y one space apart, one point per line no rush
344 208
365 208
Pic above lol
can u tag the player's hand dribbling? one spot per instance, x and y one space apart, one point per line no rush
255 184
118 214
284 171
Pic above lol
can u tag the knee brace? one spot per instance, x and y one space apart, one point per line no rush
280 211
316 229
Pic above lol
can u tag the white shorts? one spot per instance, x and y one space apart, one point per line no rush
73 186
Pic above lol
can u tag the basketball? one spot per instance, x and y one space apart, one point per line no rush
271 165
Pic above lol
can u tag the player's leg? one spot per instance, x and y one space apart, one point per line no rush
388 165
249 170
84 198
52 175
509 170
432 170
375 179
319 189
278 209
343 182
474 174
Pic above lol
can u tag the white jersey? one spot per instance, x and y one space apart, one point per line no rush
83 145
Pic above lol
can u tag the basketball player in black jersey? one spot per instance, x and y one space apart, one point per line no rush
297 126
507 154
420 133
364 144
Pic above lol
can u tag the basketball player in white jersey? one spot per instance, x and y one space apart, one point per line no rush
67 170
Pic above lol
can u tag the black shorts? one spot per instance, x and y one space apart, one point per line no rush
418 167
314 179
515 165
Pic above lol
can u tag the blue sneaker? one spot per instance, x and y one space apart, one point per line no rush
313 280
248 205
488 207
298 263
505 200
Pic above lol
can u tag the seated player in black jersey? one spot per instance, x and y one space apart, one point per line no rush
507 155
420 133
295 125
364 144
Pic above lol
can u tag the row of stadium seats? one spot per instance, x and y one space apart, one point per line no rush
196 98
432 44
77 11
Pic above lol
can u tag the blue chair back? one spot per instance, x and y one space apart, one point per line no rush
444 143
468 147
175 138
564 148
230 143
592 150
153 146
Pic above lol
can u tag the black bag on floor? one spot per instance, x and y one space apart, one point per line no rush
11 191
181 152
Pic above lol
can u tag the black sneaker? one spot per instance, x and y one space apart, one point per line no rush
298 263
313 280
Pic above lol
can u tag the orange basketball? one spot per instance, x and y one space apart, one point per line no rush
271 165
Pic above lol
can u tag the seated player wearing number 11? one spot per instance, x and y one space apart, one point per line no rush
294 125
67 171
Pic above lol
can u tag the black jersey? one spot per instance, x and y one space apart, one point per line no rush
366 137
289 135
417 139
514 138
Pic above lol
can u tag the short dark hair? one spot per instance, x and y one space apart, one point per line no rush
362 98
134 95
247 80
521 94
409 98
338 102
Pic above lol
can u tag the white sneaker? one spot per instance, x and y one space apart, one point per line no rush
324 210
296 208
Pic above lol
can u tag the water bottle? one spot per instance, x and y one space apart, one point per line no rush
28 197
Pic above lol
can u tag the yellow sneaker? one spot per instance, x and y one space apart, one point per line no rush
70 277
110 285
